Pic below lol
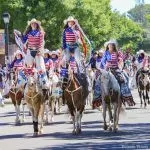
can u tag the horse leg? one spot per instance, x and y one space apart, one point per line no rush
59 104
1 99
110 118
41 118
52 109
17 108
46 111
115 117
140 94
143 93
35 121
74 125
147 96
104 115
23 112
78 122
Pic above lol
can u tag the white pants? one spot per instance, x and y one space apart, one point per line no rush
38 61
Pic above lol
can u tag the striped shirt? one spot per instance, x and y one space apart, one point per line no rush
18 64
55 63
34 39
70 36
48 63
110 60
73 65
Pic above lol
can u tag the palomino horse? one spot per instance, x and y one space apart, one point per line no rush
34 97
17 81
110 96
75 95
143 84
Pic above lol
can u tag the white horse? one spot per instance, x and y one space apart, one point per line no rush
55 98
110 96
90 76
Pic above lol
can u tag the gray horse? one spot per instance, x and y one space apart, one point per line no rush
110 99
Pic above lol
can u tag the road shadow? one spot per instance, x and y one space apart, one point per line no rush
98 146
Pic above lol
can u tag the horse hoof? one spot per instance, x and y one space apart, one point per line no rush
41 131
17 121
74 132
115 130
35 134
52 119
23 121
78 131
105 127
110 129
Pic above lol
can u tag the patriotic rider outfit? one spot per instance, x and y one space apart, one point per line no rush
34 42
71 39
48 62
18 63
111 61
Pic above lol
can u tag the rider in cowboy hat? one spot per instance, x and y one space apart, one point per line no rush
54 58
111 60
72 37
47 60
33 39
18 62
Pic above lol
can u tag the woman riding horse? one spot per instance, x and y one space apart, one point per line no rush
72 38
33 39
112 60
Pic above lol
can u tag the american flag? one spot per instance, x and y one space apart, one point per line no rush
18 40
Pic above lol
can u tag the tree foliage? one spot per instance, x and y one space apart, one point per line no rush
95 17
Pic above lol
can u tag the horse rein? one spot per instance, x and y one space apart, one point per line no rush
72 92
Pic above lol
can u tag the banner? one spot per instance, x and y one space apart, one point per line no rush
2 42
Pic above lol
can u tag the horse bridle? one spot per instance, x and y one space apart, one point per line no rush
72 92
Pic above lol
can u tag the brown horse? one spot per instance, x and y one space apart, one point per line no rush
16 93
75 97
35 100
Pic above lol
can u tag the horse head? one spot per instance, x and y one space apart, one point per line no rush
32 78
108 82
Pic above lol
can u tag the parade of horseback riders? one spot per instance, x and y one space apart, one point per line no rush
73 75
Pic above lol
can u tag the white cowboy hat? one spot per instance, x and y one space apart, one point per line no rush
34 21
54 53
110 42
70 18
141 51
46 51
19 52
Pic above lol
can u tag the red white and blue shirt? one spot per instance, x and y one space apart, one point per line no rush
73 64
70 36
110 60
17 64
48 63
34 39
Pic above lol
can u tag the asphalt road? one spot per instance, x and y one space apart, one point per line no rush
134 131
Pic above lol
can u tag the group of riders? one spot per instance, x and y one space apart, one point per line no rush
34 55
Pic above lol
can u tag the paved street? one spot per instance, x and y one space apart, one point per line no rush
134 131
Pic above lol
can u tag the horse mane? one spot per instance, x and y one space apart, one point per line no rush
113 82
